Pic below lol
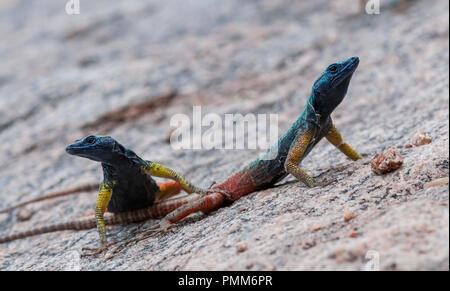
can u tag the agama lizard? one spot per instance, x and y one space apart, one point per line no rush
127 187
313 124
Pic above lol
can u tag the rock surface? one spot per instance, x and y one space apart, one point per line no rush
62 75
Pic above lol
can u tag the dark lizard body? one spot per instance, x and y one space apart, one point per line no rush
286 154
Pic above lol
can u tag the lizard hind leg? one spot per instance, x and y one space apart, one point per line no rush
204 204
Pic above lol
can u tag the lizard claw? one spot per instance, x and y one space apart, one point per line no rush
96 251
212 190
224 192
215 190
325 182
145 233
212 184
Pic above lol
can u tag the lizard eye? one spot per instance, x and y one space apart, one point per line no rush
90 139
332 68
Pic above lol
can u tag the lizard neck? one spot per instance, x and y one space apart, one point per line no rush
315 109
123 158
110 173
123 161
309 118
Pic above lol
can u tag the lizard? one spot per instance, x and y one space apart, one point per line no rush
127 187
283 158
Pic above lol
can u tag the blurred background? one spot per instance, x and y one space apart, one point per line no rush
123 68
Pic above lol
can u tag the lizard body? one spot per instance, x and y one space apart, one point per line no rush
286 154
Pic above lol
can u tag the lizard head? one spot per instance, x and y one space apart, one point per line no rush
330 88
103 149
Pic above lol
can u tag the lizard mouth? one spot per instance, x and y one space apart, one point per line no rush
80 151
70 149
75 150
346 71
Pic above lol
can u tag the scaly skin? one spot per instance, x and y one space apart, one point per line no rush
313 124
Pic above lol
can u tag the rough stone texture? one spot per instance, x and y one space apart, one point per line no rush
61 75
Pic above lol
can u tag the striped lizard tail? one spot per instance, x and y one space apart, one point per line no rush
157 210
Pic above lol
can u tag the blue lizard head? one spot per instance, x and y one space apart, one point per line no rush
103 149
330 88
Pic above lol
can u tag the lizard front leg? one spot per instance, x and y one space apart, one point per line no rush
158 170
296 152
335 138
103 197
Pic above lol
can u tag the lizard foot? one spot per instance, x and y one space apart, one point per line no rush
325 182
144 234
215 190
212 190
224 192
96 251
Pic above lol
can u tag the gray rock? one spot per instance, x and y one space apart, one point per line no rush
61 75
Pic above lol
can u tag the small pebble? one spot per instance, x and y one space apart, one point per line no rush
24 214
241 248
316 227
421 138
308 244
348 216
353 234
387 161
108 255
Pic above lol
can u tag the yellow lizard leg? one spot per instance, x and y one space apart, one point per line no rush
335 138
157 170
295 154
103 197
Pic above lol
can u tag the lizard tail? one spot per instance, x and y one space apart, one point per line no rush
157 210
70 225
84 188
